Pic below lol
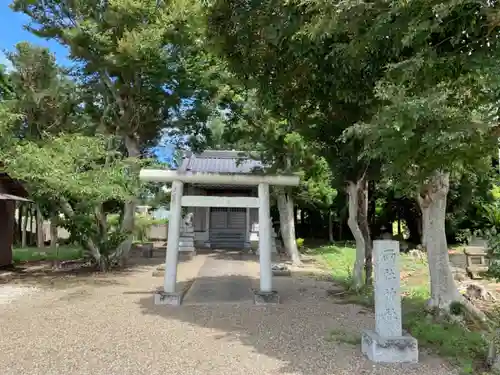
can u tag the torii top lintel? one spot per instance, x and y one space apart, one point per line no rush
165 175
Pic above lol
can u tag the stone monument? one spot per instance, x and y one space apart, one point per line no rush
186 239
254 239
388 343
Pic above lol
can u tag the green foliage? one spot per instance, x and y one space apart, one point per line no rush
256 131
142 226
446 338
107 244
491 213
84 226
437 91
300 243
143 223
47 99
493 239
20 255
495 193
69 166
318 82
140 59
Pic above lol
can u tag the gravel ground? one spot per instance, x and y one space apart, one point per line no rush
109 325
9 293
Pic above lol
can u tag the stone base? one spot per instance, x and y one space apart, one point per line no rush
266 298
379 349
147 253
172 299
187 255
282 273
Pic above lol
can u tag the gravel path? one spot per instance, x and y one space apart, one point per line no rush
9 293
109 326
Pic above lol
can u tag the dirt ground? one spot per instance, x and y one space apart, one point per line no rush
107 324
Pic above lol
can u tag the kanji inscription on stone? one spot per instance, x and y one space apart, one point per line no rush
387 288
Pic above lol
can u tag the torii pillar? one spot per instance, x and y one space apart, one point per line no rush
170 295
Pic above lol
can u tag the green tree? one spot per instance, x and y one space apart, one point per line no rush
43 145
43 94
319 80
142 65
438 113
254 130
70 172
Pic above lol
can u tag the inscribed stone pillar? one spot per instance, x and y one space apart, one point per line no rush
387 285
388 343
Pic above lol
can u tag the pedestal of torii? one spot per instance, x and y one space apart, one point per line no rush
170 295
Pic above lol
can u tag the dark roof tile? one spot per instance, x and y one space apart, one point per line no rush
231 162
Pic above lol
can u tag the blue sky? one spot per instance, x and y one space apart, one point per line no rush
12 32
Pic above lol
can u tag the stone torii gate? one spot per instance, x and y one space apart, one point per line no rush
266 294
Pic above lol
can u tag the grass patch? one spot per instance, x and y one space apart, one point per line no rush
34 254
447 339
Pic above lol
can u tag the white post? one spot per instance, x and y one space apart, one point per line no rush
266 273
174 227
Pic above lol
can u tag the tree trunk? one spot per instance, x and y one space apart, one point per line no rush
372 204
352 221
54 238
287 226
19 224
30 222
39 228
101 220
88 244
330 226
364 226
128 222
432 202
23 216
53 232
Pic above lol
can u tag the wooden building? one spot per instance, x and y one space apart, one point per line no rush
10 192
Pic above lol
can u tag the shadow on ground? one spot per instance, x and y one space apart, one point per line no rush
44 274
297 331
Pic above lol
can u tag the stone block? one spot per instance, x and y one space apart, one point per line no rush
280 269
161 267
164 298
186 255
186 242
266 298
403 349
282 273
